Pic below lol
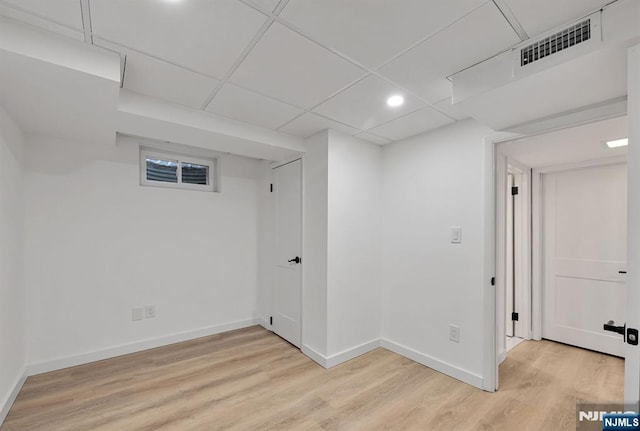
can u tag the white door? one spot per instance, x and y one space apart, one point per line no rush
287 272
584 240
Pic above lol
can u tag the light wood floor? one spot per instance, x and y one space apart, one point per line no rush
252 380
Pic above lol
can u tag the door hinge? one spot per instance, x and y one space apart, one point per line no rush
514 317
271 188
271 320
514 190
493 281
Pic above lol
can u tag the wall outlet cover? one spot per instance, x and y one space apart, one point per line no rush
454 333
149 311
137 313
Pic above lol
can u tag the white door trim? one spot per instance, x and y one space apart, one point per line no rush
281 163
632 353
523 212
609 161
502 164
537 275
494 257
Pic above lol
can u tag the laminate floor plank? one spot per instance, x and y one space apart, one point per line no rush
250 379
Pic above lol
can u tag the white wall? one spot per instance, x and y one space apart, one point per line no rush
377 257
12 302
433 182
98 244
315 244
355 203
341 256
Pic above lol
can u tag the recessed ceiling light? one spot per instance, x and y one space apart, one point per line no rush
618 143
395 100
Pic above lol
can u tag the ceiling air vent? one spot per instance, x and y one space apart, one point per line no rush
570 36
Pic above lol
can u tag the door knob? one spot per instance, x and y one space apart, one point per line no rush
630 334
295 259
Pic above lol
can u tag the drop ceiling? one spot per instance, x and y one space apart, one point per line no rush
300 66
569 146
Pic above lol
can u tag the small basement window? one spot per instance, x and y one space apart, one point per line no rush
177 171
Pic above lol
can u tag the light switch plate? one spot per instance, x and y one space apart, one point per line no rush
456 235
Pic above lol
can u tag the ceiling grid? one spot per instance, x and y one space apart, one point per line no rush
349 65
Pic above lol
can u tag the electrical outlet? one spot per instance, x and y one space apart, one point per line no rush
454 333
137 313
149 311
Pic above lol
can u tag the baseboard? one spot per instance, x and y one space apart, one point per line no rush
502 356
341 357
124 349
318 358
436 364
421 358
324 361
354 352
263 322
8 402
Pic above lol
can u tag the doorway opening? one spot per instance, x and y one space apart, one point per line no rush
561 238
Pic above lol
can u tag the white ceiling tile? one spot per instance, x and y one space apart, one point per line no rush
417 122
373 31
65 12
20 14
240 104
541 15
451 110
364 104
309 124
474 38
206 36
156 78
373 138
291 68
268 5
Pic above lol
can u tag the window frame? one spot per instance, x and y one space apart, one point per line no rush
212 165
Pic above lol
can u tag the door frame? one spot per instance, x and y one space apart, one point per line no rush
272 245
502 164
494 213
524 269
